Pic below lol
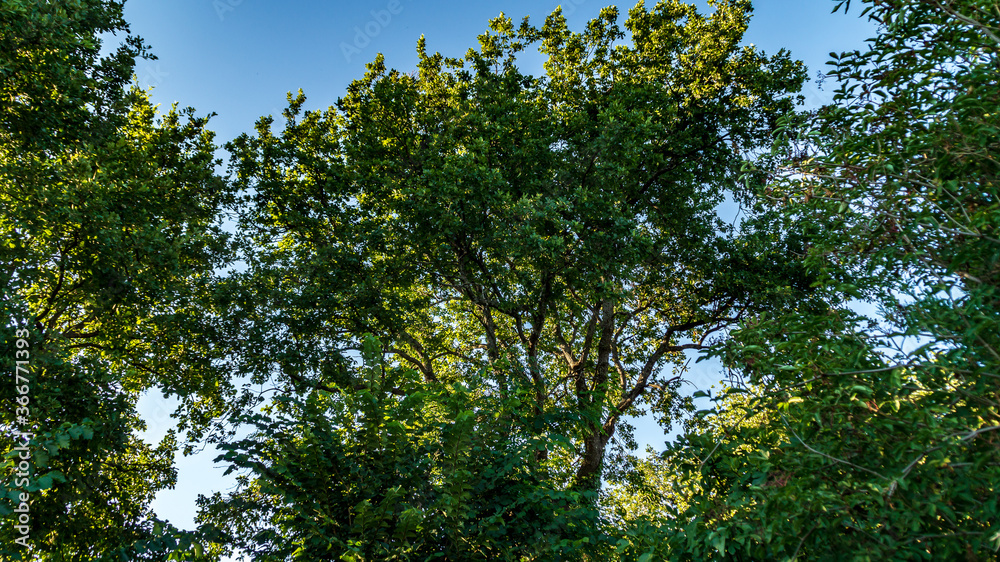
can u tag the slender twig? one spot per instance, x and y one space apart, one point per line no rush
826 456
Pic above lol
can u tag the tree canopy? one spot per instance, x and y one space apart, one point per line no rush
876 438
445 296
110 229
558 232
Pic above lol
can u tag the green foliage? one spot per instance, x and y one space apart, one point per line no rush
401 470
537 254
110 230
56 87
864 439
557 232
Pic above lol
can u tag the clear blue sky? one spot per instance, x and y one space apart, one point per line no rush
239 58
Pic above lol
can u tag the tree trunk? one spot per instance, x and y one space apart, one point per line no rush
588 476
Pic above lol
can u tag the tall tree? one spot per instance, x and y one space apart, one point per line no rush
878 439
110 229
559 231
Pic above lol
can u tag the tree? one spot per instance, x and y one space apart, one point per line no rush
557 233
110 228
401 469
877 438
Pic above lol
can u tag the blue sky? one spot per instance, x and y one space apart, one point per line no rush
239 58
